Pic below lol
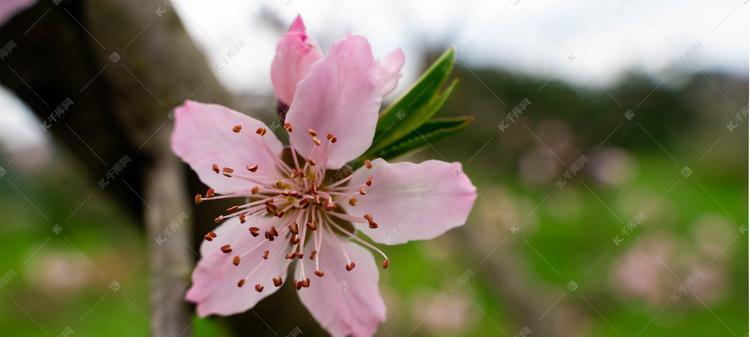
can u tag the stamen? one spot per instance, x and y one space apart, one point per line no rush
361 241
293 228
370 221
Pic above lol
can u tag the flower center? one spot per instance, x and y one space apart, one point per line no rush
300 203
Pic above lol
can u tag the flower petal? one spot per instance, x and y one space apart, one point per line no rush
346 303
294 56
389 71
341 95
9 8
203 136
215 280
412 201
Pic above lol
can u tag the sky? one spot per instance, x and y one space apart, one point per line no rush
586 42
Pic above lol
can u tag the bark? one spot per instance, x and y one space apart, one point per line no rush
123 65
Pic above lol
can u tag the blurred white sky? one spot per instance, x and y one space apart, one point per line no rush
587 42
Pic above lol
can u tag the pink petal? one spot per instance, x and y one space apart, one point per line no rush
412 201
341 95
215 289
203 136
346 303
9 8
389 71
294 56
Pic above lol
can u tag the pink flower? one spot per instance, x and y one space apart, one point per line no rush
293 208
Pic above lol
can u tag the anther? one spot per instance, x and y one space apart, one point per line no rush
258 287
226 249
269 236
369 181
294 228
236 260
215 168
311 162
362 190
288 127
273 231
255 190
368 164
237 128
319 273
210 236
313 254
350 266
277 281
353 201
312 133
198 199
294 239
227 171
210 192
331 138
233 209
243 217
370 221
300 255
311 226
306 282
252 168
254 231
265 254
261 131
298 284
241 283
316 140
386 263
219 219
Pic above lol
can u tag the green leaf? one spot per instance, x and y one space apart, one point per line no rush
430 132
416 106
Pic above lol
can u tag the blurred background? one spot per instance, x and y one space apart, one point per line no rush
609 149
